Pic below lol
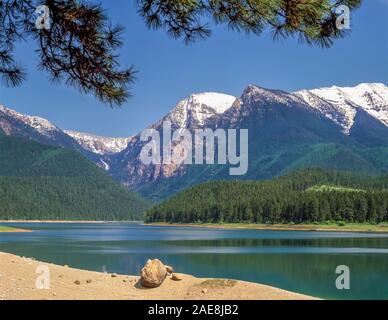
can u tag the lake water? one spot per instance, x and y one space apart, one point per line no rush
299 261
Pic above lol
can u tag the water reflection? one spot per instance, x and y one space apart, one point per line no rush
294 260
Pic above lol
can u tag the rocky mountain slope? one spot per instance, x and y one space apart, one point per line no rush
331 128
98 144
342 104
339 128
38 129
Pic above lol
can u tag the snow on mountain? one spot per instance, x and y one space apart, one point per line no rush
99 145
41 125
340 104
217 101
190 113
254 93
197 108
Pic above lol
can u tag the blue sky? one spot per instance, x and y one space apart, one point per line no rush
227 62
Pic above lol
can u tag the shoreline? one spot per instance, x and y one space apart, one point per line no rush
350 227
278 227
18 278
65 221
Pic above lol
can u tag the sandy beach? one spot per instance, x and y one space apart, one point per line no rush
18 276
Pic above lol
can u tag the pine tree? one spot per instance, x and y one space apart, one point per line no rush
78 46
362 209
287 199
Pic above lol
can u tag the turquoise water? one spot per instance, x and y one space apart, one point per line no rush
299 261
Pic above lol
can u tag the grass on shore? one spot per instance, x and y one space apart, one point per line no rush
3 229
9 229
329 226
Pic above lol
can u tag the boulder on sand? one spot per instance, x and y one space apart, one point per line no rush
153 274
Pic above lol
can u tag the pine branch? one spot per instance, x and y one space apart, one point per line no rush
79 47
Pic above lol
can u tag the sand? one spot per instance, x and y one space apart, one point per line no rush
18 276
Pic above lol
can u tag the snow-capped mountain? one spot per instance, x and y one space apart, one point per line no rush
190 113
316 127
13 123
42 126
284 128
253 93
98 144
340 104
196 109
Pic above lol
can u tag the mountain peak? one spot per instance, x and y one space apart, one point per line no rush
254 93
220 102
198 107
43 126
341 104
255 89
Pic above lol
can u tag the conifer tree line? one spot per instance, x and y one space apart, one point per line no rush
303 197
40 182
64 198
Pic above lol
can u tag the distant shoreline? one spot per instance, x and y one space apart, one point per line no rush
349 227
365 228
65 221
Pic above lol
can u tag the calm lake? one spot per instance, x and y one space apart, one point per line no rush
299 261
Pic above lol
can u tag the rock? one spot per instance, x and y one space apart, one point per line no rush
176 277
60 276
114 275
54 294
204 290
77 282
89 281
169 269
153 274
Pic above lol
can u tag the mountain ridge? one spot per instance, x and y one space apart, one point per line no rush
221 103
336 127
99 144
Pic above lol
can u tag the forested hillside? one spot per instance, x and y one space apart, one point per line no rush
305 196
44 182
